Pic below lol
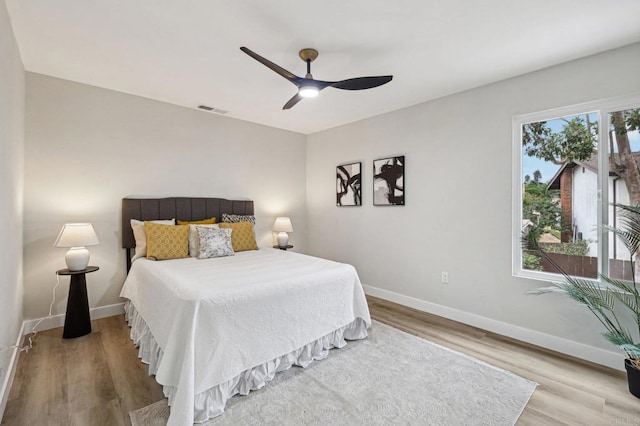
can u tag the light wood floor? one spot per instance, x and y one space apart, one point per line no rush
97 379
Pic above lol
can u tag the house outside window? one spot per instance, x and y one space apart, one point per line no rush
571 165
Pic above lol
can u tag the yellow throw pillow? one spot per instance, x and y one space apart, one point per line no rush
198 222
140 236
167 241
242 236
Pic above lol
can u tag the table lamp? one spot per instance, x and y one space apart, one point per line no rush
282 226
77 236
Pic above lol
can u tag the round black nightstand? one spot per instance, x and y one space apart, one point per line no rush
284 248
77 321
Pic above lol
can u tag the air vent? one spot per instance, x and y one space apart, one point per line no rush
212 109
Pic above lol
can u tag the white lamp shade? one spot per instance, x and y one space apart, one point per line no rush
282 224
76 235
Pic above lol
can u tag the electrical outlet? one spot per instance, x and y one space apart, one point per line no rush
445 278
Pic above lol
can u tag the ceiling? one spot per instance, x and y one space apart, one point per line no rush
187 52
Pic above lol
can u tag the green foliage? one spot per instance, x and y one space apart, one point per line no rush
576 141
540 206
632 121
531 261
537 176
606 302
579 248
537 188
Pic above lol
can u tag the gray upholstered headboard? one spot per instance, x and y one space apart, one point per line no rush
180 208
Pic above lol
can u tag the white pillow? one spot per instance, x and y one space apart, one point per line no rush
194 239
140 235
214 242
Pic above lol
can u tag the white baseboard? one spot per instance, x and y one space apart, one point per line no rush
58 320
7 381
610 359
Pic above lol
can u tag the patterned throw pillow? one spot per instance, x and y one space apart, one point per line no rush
236 218
167 241
198 222
194 238
242 237
214 242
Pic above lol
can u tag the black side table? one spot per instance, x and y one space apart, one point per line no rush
77 321
283 248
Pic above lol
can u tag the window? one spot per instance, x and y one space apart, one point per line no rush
570 166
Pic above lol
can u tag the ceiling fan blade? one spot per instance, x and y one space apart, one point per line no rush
277 68
296 98
361 83
319 84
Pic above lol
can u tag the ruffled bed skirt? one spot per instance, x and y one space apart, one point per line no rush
211 403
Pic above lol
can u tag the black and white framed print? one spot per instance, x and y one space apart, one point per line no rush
388 181
349 185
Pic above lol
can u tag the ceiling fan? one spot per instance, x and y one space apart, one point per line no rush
308 87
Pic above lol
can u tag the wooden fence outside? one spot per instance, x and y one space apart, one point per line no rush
586 266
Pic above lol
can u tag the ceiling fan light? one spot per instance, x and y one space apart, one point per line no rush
308 91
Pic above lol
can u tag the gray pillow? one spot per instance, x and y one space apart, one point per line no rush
214 242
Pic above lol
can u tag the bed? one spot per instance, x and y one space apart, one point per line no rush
213 328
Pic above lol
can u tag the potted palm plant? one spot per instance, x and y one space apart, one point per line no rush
615 302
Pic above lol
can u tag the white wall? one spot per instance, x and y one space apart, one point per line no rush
457 216
12 98
86 148
584 199
619 188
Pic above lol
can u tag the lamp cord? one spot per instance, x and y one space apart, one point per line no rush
27 347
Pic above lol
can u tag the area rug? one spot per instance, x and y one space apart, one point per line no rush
389 378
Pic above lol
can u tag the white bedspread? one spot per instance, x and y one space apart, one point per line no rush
215 318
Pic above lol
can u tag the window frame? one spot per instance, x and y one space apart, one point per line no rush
602 108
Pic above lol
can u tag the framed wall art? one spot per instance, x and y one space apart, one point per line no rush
349 185
388 181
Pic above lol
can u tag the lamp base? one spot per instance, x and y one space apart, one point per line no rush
77 258
283 239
